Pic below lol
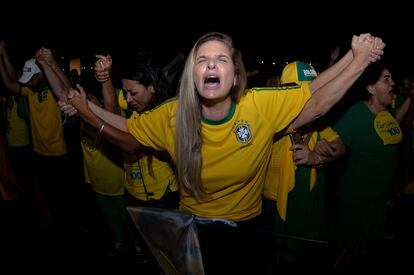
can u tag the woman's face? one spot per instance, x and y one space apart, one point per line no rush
382 89
137 95
214 73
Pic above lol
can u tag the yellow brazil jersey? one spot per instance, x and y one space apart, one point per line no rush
103 172
235 151
145 184
46 123
147 177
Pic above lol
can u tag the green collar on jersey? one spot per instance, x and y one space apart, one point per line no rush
223 120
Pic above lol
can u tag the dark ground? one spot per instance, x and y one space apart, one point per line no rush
24 248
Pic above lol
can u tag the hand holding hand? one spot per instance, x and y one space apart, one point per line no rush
378 50
103 68
44 56
367 48
324 148
65 104
302 155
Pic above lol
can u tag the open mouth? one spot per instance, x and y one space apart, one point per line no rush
212 81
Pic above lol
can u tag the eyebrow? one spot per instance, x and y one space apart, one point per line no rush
216 56
386 76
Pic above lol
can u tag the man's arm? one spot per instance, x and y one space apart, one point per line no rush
330 73
7 71
331 92
103 68
57 80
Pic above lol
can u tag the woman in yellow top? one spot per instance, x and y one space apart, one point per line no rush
220 138
149 176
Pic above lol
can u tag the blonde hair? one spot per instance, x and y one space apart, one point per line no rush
188 131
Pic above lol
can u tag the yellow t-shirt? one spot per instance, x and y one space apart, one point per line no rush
140 182
104 174
46 123
235 151
144 184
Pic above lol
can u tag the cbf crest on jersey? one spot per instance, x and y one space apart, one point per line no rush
243 132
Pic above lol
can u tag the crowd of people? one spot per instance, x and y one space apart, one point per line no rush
209 176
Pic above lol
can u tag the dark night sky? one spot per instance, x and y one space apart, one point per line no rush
258 31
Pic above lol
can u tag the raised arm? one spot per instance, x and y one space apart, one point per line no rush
330 73
7 71
331 92
405 111
8 65
336 68
103 69
402 110
57 80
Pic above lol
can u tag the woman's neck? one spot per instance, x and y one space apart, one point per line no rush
374 107
216 110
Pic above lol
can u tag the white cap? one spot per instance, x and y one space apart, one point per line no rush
30 68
